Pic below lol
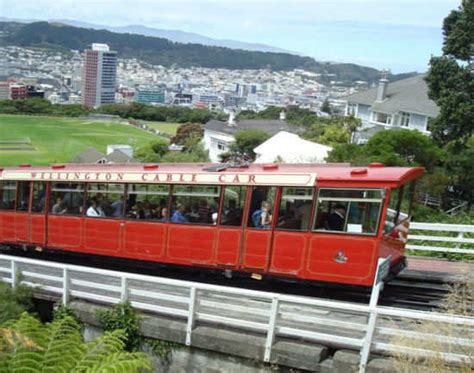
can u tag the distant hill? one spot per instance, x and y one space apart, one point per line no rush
164 52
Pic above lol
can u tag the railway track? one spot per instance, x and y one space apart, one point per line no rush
411 290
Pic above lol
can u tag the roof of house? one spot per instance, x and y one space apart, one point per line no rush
409 95
291 149
118 156
269 126
90 155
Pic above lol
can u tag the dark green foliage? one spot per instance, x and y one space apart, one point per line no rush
125 318
162 349
326 108
186 132
14 302
173 114
58 347
153 151
39 106
61 311
397 147
245 142
160 51
451 85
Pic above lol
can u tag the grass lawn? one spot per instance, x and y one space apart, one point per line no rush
60 139
164 127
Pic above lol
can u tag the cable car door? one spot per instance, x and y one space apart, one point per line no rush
258 231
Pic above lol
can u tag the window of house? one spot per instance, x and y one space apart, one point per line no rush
39 197
7 195
67 198
105 200
382 118
404 119
295 208
352 109
261 207
148 201
23 195
196 204
353 211
234 202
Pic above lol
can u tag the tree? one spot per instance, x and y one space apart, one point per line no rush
187 131
245 142
326 108
152 151
58 347
402 147
450 78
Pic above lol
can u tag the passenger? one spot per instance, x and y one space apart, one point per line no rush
336 220
117 208
58 207
204 212
232 215
262 218
178 215
164 214
148 212
94 210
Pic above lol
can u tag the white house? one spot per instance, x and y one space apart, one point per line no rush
218 135
290 148
400 104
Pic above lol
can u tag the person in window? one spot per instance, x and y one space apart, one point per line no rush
336 220
232 215
94 210
204 212
262 218
58 207
117 208
164 214
178 215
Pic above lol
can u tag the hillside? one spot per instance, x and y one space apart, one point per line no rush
161 51
44 140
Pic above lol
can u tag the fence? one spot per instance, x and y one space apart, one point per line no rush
435 240
367 328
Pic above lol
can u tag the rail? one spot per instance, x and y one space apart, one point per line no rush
433 242
367 328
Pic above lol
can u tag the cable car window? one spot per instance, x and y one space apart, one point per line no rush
105 200
67 198
261 207
39 197
352 211
399 206
234 202
23 196
195 204
295 208
7 195
148 201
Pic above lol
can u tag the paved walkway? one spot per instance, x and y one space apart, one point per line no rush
439 265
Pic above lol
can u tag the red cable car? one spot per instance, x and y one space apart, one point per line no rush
311 222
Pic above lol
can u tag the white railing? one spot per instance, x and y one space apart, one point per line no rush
436 242
367 328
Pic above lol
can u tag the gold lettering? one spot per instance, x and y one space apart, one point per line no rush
87 176
194 178
120 176
169 177
144 177
222 178
236 179
77 176
251 178
108 176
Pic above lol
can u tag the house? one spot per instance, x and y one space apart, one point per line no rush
400 104
219 135
288 147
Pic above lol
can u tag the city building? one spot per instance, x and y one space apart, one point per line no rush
33 91
99 75
400 104
150 96
18 91
4 90
218 135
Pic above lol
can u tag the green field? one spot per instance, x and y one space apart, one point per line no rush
60 139
164 127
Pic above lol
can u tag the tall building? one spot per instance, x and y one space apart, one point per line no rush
99 74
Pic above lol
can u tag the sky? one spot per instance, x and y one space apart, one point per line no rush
399 35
